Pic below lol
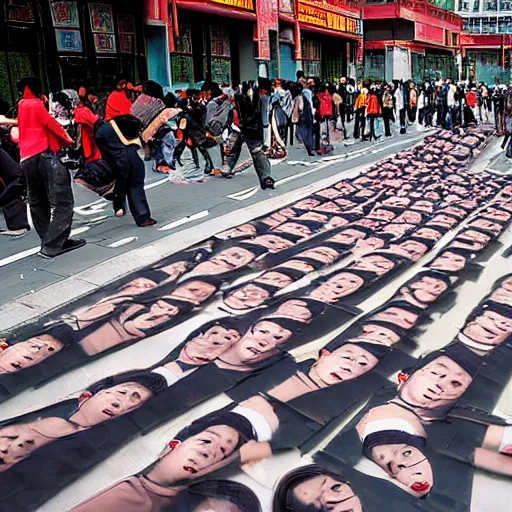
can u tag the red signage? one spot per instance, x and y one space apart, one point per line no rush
326 19
429 33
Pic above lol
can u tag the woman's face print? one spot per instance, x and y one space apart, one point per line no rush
28 353
502 296
374 263
158 313
227 260
113 402
137 286
17 442
448 261
197 455
294 309
300 265
259 343
208 346
347 236
345 204
369 244
347 362
248 296
306 204
322 493
325 255
424 291
486 225
274 279
489 328
410 248
397 202
175 270
438 384
407 464
194 291
336 287
397 316
381 214
329 193
316 216
239 231
216 505
294 228
397 230
443 220
273 243
496 214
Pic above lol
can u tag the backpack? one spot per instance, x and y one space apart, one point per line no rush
218 117
325 104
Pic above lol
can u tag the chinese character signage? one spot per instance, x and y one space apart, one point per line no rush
267 16
326 19
241 4
20 11
65 14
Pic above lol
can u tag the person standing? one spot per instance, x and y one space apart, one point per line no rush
413 103
303 117
249 110
373 111
387 110
118 102
360 112
48 181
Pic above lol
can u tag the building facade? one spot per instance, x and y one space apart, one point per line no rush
69 43
487 40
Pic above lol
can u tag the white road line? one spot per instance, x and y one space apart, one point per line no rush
149 186
123 241
29 252
244 194
91 209
184 220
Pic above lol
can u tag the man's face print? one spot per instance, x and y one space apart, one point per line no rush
424 291
396 202
438 384
316 216
248 296
294 309
194 291
238 232
226 260
113 402
294 228
374 263
409 217
347 362
336 287
412 249
306 204
378 334
208 346
28 353
322 492
299 265
487 225
347 236
443 220
382 214
397 230
406 464
274 279
198 455
273 243
397 316
159 312
429 234
489 328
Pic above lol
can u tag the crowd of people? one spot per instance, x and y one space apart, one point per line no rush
212 123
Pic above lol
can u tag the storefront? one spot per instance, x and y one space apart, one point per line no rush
329 38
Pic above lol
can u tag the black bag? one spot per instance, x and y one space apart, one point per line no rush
96 176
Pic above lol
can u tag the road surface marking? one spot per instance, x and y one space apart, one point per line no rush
149 186
184 220
123 241
244 194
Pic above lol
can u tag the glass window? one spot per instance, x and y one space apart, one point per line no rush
489 25
311 57
472 25
505 5
464 5
505 25
476 6
491 5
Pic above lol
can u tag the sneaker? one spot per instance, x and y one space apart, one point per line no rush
268 182
69 245
165 169
147 223
15 232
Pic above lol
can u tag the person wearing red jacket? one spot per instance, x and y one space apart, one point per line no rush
48 181
118 102
373 111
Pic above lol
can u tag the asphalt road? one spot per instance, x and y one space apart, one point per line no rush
174 207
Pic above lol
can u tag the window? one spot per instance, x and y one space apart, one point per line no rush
505 5
182 62
505 25
489 25
472 25
491 5
464 5
312 57
220 54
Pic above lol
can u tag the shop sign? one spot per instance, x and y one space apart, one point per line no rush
429 33
240 4
332 21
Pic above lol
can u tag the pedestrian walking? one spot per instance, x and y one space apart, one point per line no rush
118 102
387 110
48 181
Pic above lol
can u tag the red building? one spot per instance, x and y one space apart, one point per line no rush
410 39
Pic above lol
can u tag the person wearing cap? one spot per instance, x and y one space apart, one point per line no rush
250 115
105 400
48 181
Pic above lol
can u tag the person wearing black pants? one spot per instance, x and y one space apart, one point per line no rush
119 142
12 190
48 181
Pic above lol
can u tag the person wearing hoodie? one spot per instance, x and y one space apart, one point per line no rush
48 181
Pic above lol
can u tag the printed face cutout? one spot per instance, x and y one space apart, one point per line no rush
347 236
294 309
397 316
276 279
486 225
294 228
273 243
248 296
306 204
442 220
323 254
28 353
299 265
407 464
338 286
409 217
438 384
158 313
113 402
227 260
347 362
245 230
194 291
396 202
369 244
448 261
323 492
424 291
197 455
502 296
412 249
378 334
472 240
488 328
397 230
208 346
374 263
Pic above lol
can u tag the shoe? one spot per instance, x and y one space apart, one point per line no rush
207 170
15 232
147 223
165 169
227 174
69 245
268 182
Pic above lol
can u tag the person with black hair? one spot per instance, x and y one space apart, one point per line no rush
118 141
48 181
105 400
